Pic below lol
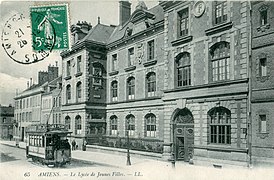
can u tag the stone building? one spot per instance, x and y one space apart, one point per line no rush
51 102
28 104
27 110
84 80
135 78
262 82
6 121
206 48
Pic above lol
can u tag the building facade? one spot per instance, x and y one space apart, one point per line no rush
27 110
28 104
206 80
84 81
51 102
262 82
135 79
7 120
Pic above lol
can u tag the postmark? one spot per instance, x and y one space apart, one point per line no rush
49 24
17 41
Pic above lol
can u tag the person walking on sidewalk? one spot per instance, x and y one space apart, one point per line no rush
73 143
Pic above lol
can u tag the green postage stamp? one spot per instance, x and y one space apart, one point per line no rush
50 26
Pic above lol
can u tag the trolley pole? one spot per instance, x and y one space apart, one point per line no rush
128 155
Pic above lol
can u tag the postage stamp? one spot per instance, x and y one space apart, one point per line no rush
50 25
17 43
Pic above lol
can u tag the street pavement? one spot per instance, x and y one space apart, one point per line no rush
97 165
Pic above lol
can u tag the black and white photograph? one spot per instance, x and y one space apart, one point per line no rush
137 90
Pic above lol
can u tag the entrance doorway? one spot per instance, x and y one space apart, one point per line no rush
183 138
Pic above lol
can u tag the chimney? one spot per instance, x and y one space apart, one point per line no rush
125 11
98 19
27 84
30 84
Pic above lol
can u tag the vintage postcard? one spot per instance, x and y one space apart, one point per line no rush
129 89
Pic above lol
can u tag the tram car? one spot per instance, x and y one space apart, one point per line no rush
48 144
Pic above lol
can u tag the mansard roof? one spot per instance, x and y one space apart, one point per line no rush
100 33
153 16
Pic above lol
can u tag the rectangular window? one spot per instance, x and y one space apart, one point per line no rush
183 22
114 91
131 129
262 123
131 57
184 76
220 12
68 68
114 62
113 129
263 67
79 64
97 74
263 15
150 45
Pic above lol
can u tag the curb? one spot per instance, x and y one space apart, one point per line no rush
12 145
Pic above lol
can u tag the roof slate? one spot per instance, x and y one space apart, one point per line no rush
100 33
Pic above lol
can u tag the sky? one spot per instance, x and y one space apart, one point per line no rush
14 76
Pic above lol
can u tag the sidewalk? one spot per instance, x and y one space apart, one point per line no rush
100 158
161 169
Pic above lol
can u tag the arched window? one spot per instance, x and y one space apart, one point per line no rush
220 54
67 122
78 90
220 125
113 125
151 84
68 93
131 87
150 125
114 90
130 125
78 124
183 69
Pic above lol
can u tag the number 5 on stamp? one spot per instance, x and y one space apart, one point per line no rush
49 25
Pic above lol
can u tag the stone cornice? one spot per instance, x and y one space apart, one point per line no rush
140 35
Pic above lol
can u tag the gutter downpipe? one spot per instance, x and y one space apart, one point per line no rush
250 90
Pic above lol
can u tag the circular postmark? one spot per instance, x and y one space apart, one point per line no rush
23 43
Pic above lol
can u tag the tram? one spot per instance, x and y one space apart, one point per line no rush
48 144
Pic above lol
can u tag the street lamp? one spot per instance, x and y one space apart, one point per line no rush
128 155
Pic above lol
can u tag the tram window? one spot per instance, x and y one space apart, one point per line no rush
35 140
40 139
43 141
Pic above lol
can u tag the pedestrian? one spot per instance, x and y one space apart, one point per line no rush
73 143
84 145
